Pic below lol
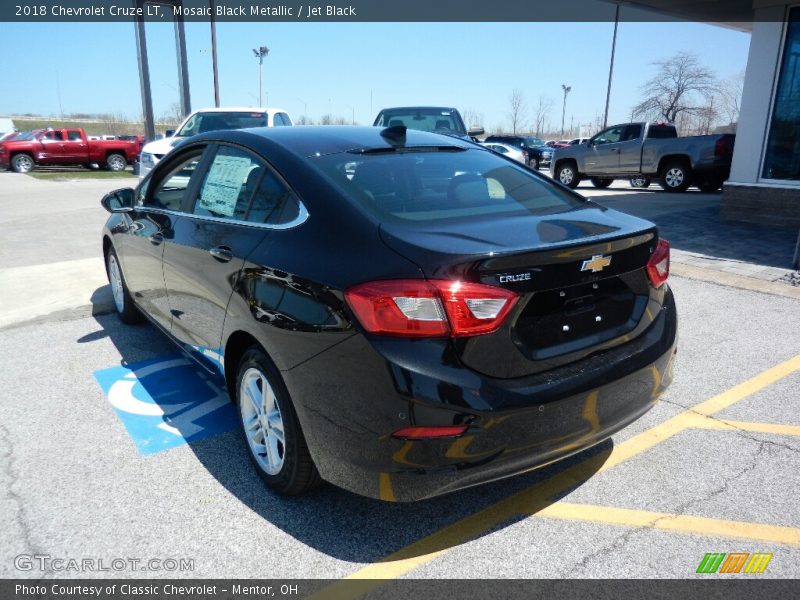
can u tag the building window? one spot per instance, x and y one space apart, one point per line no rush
782 158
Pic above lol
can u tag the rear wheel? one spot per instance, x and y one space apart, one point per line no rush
567 174
675 177
601 183
533 163
274 439
640 182
116 162
126 309
22 163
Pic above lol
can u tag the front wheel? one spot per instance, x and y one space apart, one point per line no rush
116 162
22 163
601 183
126 309
568 175
533 163
640 182
675 177
270 426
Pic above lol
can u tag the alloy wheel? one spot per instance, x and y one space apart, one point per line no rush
115 279
674 177
566 176
263 423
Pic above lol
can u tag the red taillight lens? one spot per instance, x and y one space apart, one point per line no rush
421 308
658 265
426 433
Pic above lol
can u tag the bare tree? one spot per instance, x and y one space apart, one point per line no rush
675 88
326 119
517 108
541 111
304 120
472 118
730 93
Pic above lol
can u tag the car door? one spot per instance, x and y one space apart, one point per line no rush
209 247
74 148
51 148
630 149
602 153
152 228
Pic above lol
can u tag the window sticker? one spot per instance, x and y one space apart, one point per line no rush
223 184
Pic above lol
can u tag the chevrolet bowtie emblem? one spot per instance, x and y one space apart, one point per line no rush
596 264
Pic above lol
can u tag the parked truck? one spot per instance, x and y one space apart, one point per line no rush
644 151
65 147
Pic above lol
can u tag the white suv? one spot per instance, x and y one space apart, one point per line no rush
211 119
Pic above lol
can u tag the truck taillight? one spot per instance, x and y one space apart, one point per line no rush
658 265
723 148
429 308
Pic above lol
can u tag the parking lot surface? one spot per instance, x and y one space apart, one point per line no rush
95 462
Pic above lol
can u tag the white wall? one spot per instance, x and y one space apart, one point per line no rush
759 82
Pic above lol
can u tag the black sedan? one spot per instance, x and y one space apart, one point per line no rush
399 313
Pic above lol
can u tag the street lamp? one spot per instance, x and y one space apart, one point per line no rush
260 54
567 89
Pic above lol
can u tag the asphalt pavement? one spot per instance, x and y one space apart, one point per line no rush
92 467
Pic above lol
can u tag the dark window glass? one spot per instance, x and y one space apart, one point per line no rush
661 132
282 120
171 189
273 203
632 132
53 136
74 136
217 121
782 158
422 119
425 185
609 136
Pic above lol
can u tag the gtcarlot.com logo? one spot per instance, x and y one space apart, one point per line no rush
734 562
46 562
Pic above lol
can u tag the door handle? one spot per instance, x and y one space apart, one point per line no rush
156 239
221 253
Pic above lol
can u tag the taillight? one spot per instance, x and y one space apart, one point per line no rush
658 265
723 148
429 308
431 432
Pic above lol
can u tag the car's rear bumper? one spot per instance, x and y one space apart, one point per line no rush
514 424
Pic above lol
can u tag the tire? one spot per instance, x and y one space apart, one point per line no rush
116 162
640 182
568 175
710 186
267 415
601 183
675 177
126 309
22 163
533 163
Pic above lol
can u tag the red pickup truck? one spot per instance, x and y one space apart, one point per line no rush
65 147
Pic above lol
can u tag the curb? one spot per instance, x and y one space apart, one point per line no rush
773 288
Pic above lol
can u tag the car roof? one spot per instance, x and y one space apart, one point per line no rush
418 108
318 140
263 109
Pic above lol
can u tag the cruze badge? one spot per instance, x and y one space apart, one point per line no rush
513 278
596 264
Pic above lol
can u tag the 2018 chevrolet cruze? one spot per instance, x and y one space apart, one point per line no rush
399 313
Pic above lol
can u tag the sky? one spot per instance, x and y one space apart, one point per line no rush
354 69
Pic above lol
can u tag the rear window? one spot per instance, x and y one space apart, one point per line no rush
216 121
432 184
657 132
421 119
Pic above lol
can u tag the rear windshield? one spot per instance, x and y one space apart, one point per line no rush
421 119
442 184
216 121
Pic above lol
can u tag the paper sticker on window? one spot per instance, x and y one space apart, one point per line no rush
223 184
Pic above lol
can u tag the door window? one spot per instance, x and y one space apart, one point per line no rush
53 136
632 132
228 185
609 136
170 190
74 136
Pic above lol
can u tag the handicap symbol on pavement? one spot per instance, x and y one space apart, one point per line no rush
167 402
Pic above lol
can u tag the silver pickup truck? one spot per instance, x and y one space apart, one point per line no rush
644 151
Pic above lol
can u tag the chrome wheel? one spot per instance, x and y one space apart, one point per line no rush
674 177
262 420
115 279
639 182
116 162
23 163
566 175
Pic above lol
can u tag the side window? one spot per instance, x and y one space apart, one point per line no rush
53 136
632 132
273 202
609 136
74 136
170 190
229 185
282 119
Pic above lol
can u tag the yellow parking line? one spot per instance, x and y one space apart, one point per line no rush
535 499
756 427
703 526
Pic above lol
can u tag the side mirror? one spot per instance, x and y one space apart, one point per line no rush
169 133
118 201
475 131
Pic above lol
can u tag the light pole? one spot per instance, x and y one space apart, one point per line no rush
260 54
353 122
567 89
611 66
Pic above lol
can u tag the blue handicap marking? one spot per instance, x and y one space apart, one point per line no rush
167 402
